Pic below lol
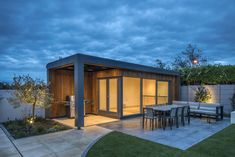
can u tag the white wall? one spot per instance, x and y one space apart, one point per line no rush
220 94
8 112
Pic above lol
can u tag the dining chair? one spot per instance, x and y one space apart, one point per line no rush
172 117
149 114
179 116
186 114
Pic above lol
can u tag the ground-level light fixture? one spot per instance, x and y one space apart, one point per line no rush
31 120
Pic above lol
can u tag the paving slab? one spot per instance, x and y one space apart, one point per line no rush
182 138
7 149
60 144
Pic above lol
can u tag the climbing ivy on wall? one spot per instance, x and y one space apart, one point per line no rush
210 74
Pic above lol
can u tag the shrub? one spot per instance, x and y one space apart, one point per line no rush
19 128
40 129
5 85
202 94
210 74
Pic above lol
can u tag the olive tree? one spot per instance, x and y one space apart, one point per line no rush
30 91
202 94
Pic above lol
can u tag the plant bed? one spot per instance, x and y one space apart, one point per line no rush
19 128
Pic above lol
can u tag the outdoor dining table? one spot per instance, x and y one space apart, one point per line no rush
164 109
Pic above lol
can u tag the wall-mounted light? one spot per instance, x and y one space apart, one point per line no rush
194 61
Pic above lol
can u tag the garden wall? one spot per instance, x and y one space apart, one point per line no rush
8 112
220 94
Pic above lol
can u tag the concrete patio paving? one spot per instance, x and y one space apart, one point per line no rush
61 144
89 120
65 143
74 142
181 138
7 149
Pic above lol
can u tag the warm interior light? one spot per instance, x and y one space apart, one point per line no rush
162 92
149 92
131 95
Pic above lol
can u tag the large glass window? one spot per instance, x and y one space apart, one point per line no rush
162 92
131 96
149 92
113 95
103 95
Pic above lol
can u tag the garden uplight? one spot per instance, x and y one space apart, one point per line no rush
31 121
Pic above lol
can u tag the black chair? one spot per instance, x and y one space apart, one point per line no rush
171 118
179 116
149 114
186 114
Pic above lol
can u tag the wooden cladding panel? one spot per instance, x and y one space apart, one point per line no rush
62 85
88 84
108 73
95 93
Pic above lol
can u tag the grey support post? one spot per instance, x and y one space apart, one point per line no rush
79 93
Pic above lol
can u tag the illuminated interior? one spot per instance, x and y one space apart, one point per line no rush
113 95
108 94
162 92
103 95
131 96
149 92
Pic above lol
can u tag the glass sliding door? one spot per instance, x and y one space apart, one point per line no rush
103 94
113 94
149 92
131 96
108 95
162 92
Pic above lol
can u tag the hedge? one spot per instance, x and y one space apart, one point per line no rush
210 74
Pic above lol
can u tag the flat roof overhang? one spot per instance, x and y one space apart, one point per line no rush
78 61
98 61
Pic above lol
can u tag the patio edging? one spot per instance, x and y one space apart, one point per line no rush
89 146
7 132
8 135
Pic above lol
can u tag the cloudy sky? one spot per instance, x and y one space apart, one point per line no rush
33 33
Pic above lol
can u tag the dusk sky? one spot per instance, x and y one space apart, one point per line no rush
34 33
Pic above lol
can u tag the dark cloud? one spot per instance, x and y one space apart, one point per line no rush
33 33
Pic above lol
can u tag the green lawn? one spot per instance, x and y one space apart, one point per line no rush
117 144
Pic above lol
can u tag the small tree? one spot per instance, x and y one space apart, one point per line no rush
5 85
186 57
202 94
233 102
30 91
160 64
